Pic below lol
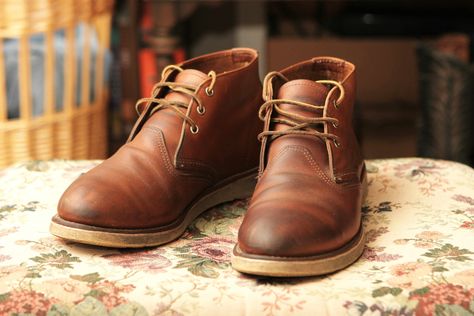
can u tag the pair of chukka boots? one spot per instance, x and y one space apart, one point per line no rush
196 145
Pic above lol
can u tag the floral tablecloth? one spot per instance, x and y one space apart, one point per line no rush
419 258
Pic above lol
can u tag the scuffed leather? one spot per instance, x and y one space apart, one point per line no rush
298 208
151 180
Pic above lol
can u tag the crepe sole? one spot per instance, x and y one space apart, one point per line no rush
299 266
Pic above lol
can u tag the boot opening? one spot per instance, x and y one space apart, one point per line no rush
221 62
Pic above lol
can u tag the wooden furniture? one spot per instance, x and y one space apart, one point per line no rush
74 130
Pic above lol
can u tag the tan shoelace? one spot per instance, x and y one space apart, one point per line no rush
298 124
176 106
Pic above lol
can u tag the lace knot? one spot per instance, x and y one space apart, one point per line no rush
187 89
296 124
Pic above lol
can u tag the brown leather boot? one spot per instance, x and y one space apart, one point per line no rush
193 146
305 214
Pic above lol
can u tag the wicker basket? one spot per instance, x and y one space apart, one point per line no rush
74 131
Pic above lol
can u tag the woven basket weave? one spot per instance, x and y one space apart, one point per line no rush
447 106
74 131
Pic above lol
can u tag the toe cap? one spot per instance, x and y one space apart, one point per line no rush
283 232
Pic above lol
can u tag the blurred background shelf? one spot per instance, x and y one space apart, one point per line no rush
414 61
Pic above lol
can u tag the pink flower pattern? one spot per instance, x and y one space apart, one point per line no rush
464 199
215 248
111 293
26 301
144 260
440 294
376 254
467 225
4 257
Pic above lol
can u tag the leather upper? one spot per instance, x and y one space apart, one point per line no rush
151 180
309 195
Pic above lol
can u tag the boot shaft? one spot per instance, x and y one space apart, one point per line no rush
223 140
340 157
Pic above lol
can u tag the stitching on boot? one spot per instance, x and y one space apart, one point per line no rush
165 157
211 173
314 165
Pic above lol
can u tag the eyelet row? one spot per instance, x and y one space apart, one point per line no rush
201 110
209 92
336 143
194 129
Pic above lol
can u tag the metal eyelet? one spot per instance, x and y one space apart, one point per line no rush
338 179
194 129
336 105
337 144
335 124
209 92
201 110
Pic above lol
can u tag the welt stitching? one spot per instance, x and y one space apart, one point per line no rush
315 166
311 161
278 156
307 156
164 153
200 164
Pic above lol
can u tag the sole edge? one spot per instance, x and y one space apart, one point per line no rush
300 267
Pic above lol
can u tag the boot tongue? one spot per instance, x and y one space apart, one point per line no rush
166 119
302 90
189 77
